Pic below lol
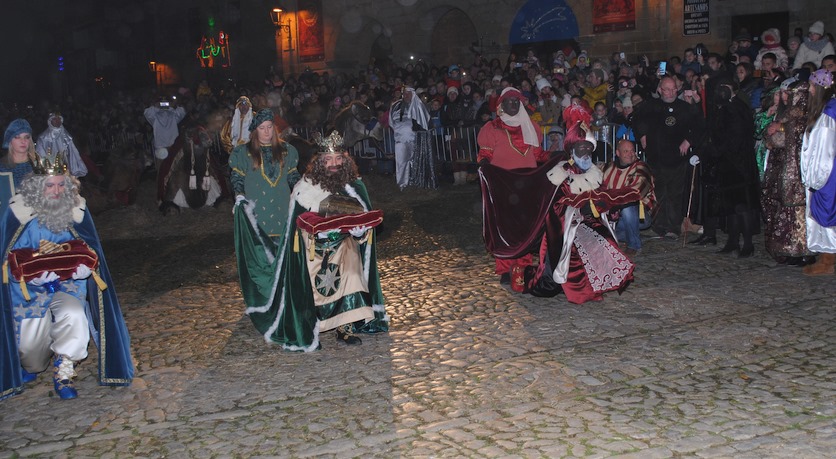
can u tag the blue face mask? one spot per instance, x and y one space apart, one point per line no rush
584 162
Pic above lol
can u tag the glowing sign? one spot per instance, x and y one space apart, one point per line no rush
214 53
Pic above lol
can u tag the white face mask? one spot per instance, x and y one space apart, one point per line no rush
583 162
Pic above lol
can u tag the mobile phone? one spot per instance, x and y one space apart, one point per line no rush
699 50
663 68
164 104
621 55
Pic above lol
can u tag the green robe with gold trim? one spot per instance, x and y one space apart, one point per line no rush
266 186
292 298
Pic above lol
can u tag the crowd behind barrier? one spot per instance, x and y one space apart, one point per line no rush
458 96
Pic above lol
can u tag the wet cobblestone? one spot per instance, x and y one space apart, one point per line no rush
703 355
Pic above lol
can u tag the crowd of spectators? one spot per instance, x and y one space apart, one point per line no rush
458 95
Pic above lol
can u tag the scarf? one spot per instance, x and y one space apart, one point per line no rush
521 119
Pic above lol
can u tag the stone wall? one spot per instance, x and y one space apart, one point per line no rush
420 28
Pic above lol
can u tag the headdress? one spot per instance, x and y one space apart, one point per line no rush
45 166
578 118
263 115
822 78
243 100
331 144
521 119
16 127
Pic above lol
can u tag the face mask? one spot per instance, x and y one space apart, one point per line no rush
584 162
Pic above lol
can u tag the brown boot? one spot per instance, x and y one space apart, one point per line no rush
822 266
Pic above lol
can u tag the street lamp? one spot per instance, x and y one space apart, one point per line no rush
276 17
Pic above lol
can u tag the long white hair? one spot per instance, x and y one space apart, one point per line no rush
55 214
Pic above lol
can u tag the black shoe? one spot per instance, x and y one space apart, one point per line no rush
505 279
746 252
347 338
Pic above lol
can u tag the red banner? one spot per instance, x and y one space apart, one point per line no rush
311 31
613 15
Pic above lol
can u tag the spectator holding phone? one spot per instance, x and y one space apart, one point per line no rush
164 117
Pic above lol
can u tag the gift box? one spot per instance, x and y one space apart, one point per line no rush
314 223
63 259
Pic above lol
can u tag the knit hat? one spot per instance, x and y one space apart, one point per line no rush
452 68
452 89
817 27
627 102
496 78
16 127
542 83
260 117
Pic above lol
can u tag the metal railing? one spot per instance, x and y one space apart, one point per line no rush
449 144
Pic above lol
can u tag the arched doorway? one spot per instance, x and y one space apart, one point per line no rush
451 38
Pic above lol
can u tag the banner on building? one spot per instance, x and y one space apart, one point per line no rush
696 17
311 31
613 15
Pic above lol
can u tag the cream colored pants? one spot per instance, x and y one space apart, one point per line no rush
64 330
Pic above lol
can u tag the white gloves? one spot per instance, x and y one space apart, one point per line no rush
45 278
694 160
82 272
358 231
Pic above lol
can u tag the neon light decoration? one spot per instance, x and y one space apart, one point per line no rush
212 52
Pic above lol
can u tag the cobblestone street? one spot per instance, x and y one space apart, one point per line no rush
704 355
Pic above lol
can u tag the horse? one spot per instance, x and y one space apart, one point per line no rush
352 122
190 177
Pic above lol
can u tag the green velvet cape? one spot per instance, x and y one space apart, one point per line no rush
276 285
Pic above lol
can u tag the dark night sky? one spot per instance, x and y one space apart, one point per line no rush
24 31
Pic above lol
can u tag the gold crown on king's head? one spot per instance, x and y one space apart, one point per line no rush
46 166
331 144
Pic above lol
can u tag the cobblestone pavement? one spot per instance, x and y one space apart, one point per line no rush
703 356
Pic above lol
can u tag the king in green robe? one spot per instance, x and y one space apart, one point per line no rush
314 281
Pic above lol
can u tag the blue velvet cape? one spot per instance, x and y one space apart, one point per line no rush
107 325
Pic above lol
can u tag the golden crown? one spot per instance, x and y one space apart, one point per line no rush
46 166
331 144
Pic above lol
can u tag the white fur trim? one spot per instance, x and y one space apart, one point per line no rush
558 174
249 211
309 195
588 181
